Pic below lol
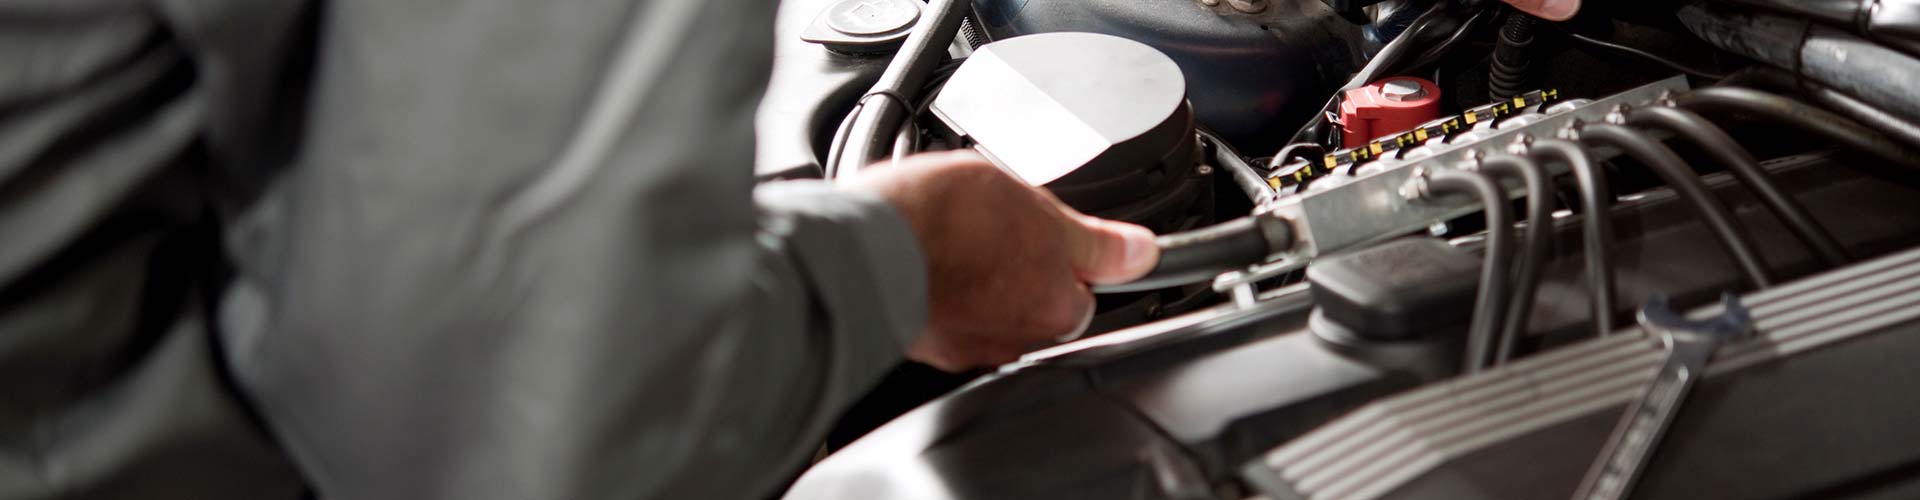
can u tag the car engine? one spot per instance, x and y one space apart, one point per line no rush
1410 249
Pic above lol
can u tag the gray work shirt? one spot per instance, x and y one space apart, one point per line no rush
393 249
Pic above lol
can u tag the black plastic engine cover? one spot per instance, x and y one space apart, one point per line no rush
1397 290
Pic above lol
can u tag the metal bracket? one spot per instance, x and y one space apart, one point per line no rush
1371 208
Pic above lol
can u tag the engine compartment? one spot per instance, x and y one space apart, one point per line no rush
1405 242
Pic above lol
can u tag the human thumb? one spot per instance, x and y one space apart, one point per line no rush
1551 10
1108 252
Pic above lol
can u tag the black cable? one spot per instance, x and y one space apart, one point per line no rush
1687 185
830 168
1717 144
1535 249
842 134
1866 114
1669 63
1815 121
1490 307
1596 201
1431 57
1291 151
1762 77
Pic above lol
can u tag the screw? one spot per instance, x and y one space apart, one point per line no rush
1572 132
1618 115
1665 99
1416 186
1203 170
1520 145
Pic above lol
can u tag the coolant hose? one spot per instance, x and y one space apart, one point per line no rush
1834 58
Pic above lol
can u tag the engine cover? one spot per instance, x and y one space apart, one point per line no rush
1252 76
1101 121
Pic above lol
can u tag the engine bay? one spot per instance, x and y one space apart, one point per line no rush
1410 249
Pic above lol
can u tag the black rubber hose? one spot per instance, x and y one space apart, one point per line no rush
1814 121
1872 71
1842 13
1536 248
1510 71
1490 307
1889 22
877 117
1596 203
1199 255
1717 144
1687 185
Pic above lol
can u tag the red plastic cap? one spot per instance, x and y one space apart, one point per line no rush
1386 107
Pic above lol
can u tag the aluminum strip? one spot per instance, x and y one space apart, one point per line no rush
1370 208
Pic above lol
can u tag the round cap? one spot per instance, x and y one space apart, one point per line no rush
871 17
1044 106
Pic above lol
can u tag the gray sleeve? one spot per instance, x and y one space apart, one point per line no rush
521 256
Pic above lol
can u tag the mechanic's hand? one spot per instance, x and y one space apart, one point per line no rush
1007 265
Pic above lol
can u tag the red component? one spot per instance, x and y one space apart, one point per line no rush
1386 107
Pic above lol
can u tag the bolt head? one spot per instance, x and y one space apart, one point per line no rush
1520 145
